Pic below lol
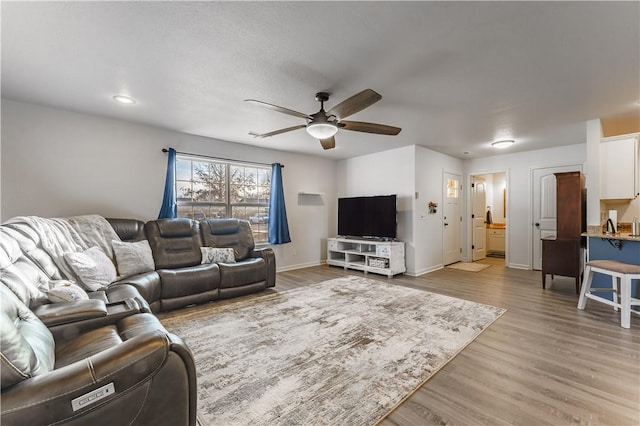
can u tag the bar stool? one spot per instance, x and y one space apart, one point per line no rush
621 275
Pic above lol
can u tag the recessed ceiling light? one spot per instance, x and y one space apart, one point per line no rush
502 144
124 99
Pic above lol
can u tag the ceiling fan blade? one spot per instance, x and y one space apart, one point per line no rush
277 132
356 103
280 109
361 126
328 143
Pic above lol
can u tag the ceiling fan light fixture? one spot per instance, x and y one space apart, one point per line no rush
123 99
322 130
503 144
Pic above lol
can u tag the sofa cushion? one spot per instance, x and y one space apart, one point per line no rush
133 258
243 273
27 344
181 282
92 267
175 243
233 233
129 230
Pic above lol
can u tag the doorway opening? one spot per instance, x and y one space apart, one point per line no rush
488 216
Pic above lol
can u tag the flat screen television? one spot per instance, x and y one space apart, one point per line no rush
367 217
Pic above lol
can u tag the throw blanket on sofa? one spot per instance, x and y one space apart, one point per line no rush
59 236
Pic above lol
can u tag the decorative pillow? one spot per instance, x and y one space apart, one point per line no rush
93 268
133 258
217 255
65 291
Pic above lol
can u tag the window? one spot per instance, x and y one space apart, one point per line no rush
452 188
215 189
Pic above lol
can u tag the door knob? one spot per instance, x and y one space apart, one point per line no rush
537 225
446 224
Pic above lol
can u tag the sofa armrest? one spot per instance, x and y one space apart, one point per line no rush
147 284
122 375
62 313
269 257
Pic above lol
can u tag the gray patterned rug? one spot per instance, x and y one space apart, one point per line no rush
341 352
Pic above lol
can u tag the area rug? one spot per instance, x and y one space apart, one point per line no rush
341 352
469 266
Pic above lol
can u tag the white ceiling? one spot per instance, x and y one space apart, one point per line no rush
454 76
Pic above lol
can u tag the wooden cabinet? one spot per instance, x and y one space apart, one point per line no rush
379 257
562 255
495 241
619 164
571 205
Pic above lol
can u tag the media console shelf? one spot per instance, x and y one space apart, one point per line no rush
379 257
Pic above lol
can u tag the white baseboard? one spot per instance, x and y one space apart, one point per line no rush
519 266
424 271
300 266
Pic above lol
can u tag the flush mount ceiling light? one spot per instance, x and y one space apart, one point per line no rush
124 99
502 144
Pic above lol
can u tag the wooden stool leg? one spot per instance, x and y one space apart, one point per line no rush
586 287
625 291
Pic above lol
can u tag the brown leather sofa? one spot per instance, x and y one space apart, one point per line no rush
108 360
180 279
96 361
253 270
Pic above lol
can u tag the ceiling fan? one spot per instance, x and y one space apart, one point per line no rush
323 125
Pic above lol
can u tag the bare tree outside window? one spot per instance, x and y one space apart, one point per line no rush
214 189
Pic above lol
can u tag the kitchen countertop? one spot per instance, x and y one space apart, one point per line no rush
496 226
617 236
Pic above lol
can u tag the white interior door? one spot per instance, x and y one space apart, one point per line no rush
478 216
452 219
544 207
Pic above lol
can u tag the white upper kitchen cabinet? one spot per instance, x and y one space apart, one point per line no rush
619 163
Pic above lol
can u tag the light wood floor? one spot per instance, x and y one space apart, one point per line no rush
543 362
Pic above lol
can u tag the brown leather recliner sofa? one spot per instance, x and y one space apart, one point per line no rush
109 360
105 360
180 279
124 369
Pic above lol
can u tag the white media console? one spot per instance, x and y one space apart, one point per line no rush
379 257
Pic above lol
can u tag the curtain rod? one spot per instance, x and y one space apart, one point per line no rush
219 158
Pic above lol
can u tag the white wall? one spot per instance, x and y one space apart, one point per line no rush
384 173
407 172
592 172
519 168
59 163
429 228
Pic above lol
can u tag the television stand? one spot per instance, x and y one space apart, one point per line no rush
376 256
